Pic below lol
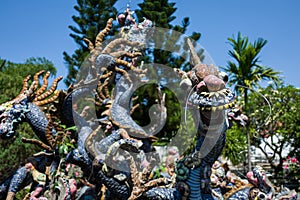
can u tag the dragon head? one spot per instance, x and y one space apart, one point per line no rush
12 113
209 94
259 179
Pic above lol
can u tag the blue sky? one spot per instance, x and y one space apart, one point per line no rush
35 28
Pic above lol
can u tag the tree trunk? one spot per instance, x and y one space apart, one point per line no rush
249 149
247 130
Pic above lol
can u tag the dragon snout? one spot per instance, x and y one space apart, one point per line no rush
8 124
3 129
6 132
3 124
214 83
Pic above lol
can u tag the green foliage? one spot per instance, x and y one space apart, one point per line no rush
186 135
158 172
245 71
22 193
184 138
91 19
236 144
64 142
280 128
161 12
168 36
12 75
14 152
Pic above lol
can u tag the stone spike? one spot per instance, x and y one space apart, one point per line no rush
194 58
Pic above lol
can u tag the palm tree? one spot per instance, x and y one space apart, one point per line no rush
245 72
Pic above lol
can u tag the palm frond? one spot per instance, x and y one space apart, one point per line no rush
245 70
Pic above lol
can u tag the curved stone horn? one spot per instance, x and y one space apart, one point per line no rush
194 58
201 69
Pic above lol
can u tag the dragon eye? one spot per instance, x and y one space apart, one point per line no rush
24 101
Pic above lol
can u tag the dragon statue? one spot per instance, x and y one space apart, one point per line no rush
103 156
227 185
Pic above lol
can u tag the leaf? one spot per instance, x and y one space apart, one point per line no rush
72 128
63 126
61 150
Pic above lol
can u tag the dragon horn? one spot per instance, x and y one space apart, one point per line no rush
194 58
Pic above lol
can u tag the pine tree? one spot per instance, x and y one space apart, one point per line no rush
161 12
92 18
165 38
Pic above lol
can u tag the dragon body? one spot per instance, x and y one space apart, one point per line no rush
111 147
